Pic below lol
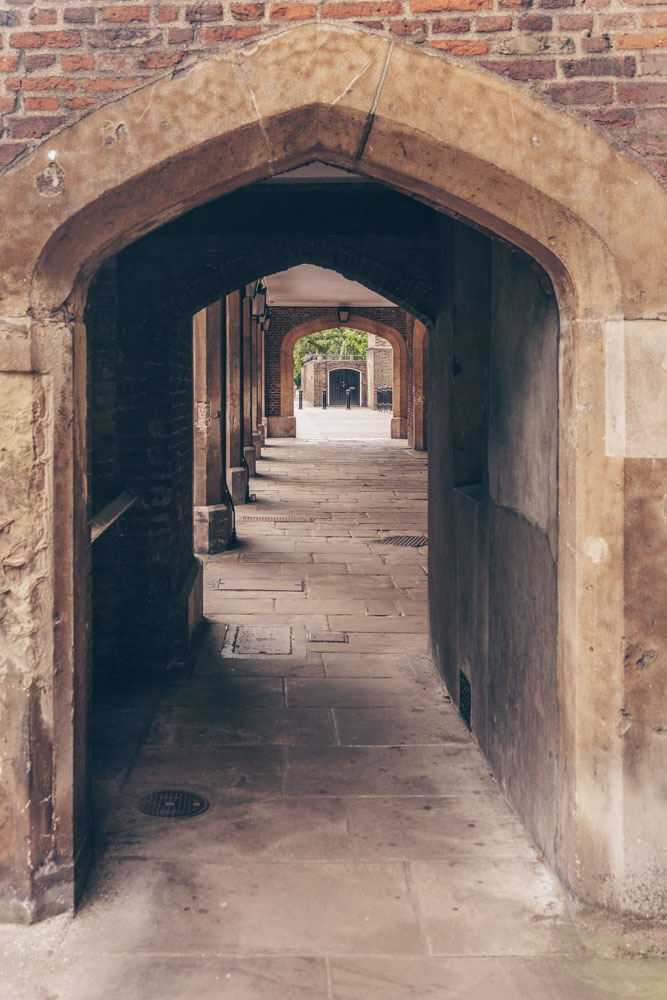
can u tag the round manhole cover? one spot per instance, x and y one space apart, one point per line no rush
173 804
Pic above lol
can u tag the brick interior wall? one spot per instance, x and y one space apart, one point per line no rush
109 562
604 60
284 319
141 439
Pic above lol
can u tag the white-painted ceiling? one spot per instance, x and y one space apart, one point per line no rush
308 285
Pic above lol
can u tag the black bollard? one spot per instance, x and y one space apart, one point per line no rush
324 399
300 399
347 398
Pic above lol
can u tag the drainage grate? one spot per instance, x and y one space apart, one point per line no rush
414 541
465 699
269 517
173 804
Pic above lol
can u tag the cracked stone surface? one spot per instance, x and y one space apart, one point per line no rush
356 846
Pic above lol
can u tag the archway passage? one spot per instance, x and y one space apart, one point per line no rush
385 359
498 310
527 174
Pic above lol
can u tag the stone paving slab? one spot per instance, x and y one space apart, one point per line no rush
372 665
224 726
495 979
231 606
237 829
510 907
235 584
405 725
371 623
210 770
257 640
330 586
215 602
378 607
382 771
225 691
437 828
244 909
288 606
260 619
356 692
297 665
409 642
311 570
160 977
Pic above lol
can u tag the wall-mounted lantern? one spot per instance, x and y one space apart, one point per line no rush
343 314
259 301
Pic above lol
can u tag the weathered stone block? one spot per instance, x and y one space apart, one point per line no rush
212 527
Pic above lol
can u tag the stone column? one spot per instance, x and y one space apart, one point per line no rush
249 453
418 438
399 420
44 625
256 416
212 503
237 470
262 384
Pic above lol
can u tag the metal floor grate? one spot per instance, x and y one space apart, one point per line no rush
413 541
173 804
465 699
276 517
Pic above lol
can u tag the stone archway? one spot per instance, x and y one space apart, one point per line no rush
469 144
285 425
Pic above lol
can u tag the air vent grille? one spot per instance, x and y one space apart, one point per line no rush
465 699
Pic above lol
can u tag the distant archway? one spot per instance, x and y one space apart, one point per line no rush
285 425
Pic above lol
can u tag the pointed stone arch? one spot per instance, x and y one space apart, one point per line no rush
469 144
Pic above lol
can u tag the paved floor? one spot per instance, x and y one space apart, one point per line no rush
356 847
338 424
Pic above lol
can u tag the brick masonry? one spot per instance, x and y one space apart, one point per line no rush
380 363
604 60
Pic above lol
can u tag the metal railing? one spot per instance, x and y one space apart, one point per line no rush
109 514
383 398
334 357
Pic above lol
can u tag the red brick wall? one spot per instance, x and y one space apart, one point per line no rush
380 364
605 60
140 439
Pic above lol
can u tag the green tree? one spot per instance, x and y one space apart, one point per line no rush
341 342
